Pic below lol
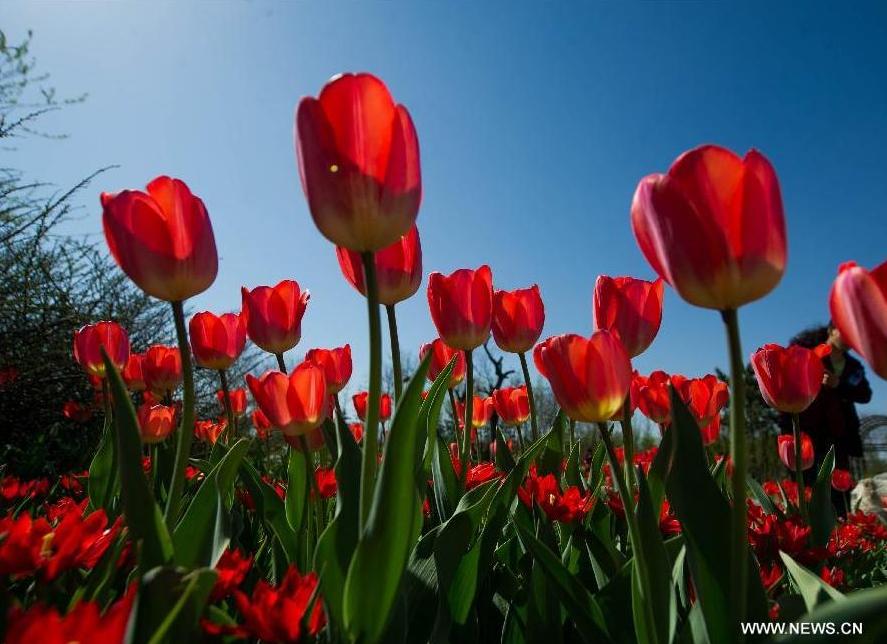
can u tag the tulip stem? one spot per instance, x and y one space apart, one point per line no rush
799 466
186 431
739 454
395 352
455 413
468 419
628 443
371 432
534 423
280 362
229 410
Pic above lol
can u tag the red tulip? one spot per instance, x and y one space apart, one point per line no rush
78 412
652 395
704 397
88 343
398 268
512 405
261 424
518 318
356 431
359 163
156 422
274 315
336 365
789 379
314 439
360 405
589 377
162 368
786 448
842 480
162 239
296 403
712 431
858 303
713 226
481 412
209 431
630 308
237 398
217 340
461 306
441 355
132 372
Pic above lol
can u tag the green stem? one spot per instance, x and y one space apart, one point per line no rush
739 454
468 420
186 431
799 469
455 413
628 444
229 411
371 430
280 362
534 423
519 430
395 352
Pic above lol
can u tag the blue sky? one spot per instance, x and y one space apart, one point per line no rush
535 120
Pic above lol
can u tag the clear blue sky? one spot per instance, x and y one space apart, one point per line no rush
536 121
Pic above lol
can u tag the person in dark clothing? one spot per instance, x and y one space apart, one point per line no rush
831 420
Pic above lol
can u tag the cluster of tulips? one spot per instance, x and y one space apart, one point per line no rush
420 540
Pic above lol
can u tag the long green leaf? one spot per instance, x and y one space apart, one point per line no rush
652 548
100 484
270 508
813 589
864 608
822 512
296 500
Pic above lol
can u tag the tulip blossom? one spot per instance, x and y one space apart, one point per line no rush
398 268
237 398
544 491
462 306
313 439
132 372
336 365
441 355
518 318
162 368
858 304
713 226
274 315
789 379
89 341
209 431
360 405
232 568
78 412
842 480
325 480
217 340
704 397
589 377
481 412
261 424
294 403
512 405
652 395
786 448
156 422
359 163
629 308
356 430
162 239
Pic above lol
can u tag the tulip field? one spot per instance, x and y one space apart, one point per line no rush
424 511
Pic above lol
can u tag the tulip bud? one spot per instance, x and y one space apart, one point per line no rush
156 422
217 340
461 306
789 379
512 404
294 403
89 341
360 405
162 368
274 315
441 355
630 308
786 449
132 372
398 268
518 318
858 304
336 365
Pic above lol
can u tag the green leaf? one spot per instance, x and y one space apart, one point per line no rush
444 480
571 473
169 604
813 589
143 517
652 549
296 500
867 608
596 471
202 534
429 416
102 469
504 458
270 508
393 524
760 496
553 455
822 512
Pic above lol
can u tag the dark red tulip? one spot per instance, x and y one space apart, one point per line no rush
237 398
461 306
78 412
356 431
359 163
261 424
132 372
713 226
789 379
294 403
842 480
858 304
441 355
156 422
630 308
518 318
786 448
217 340
274 315
360 405
512 404
162 239
398 268
652 395
336 365
88 343
162 368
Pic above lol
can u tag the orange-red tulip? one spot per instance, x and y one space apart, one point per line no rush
359 163
132 372
589 377
360 405
713 226
786 449
356 431
274 315
217 340
441 355
481 412
162 239
858 304
842 480
652 395
462 306
156 422
336 365
512 405
789 379
261 424
294 403
314 438
630 308
398 268
704 397
518 318
209 430
88 343
162 368
237 398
